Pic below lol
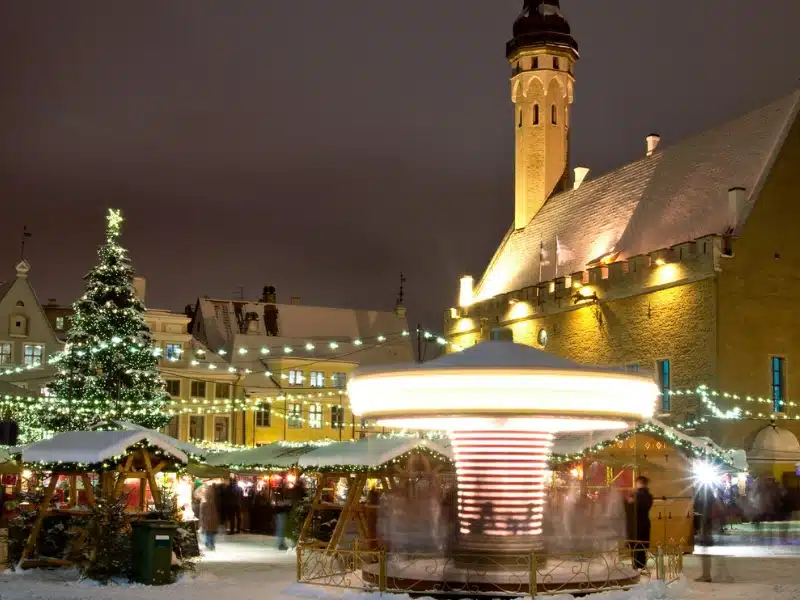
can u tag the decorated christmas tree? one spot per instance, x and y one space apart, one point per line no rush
109 367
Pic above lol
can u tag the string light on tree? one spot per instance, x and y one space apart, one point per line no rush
109 367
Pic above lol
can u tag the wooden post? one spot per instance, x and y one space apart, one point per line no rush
37 526
73 491
353 495
123 472
310 516
151 478
87 485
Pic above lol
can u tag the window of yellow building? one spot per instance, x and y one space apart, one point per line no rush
264 417
317 379
173 387
173 351
221 428
197 427
339 380
198 389
337 416
33 355
295 377
315 416
295 416
223 390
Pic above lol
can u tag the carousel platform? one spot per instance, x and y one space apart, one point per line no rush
444 576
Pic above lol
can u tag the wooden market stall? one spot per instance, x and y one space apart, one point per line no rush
351 475
262 471
92 463
610 462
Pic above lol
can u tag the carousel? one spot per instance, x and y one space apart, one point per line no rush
542 449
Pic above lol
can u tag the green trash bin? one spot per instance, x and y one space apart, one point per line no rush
152 551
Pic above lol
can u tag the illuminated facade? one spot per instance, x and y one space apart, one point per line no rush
292 362
681 265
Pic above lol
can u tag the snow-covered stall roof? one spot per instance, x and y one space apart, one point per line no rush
92 447
369 452
276 454
187 448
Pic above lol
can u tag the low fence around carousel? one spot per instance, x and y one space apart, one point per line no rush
547 573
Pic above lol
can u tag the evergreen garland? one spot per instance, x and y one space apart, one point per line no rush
109 367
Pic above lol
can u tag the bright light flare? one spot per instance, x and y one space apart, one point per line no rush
705 473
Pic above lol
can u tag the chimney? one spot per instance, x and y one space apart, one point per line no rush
140 287
465 295
52 302
580 175
295 301
652 143
268 295
735 203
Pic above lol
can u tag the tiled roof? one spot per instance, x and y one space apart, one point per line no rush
222 326
680 193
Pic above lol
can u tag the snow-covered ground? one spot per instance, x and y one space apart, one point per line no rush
247 567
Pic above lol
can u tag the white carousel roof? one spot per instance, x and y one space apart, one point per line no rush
93 447
501 379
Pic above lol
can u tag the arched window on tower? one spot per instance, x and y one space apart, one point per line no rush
535 62
535 114
554 114
519 124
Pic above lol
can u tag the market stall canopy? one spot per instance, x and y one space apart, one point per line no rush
275 455
92 447
370 452
185 447
578 442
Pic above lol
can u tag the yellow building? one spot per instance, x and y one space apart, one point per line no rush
291 363
682 264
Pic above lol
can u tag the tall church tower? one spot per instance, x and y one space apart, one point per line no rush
542 54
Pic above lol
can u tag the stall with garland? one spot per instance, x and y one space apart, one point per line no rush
351 477
263 473
78 466
601 464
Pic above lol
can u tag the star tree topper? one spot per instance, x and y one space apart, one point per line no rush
114 219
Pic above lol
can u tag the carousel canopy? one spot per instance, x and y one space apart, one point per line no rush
93 447
185 447
275 455
369 452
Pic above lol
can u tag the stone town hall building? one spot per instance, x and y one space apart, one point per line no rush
684 264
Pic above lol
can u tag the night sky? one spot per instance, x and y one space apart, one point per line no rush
325 146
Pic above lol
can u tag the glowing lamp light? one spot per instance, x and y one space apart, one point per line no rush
705 473
466 294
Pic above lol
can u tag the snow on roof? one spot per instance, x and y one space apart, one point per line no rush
368 452
5 455
221 321
678 194
185 447
276 454
93 446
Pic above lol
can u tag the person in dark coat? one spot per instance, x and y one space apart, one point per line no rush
639 505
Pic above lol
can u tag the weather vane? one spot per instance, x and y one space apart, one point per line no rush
25 235
401 293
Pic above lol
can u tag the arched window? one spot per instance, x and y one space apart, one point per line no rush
535 114
520 118
554 114
535 62
20 303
